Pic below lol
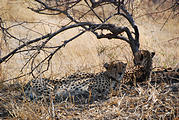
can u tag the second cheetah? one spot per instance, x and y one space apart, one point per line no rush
142 68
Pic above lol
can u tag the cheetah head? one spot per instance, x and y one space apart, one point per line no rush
115 70
143 58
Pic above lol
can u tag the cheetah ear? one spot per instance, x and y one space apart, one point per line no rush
106 65
125 64
152 54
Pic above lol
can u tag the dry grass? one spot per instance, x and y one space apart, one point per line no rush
145 102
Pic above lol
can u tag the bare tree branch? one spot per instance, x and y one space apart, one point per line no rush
49 36
35 47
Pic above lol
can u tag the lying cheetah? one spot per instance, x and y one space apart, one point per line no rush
77 85
38 89
142 68
167 75
43 88
101 84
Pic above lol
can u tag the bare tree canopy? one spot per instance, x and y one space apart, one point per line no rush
76 16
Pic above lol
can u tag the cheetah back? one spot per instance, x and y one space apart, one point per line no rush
38 89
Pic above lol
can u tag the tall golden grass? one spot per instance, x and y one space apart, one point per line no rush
84 51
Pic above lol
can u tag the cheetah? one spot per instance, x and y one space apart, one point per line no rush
167 75
99 85
40 88
142 68
78 85
43 88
